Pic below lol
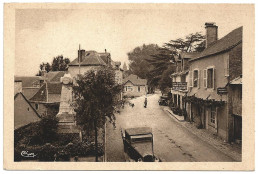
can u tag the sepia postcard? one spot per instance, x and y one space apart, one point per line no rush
129 86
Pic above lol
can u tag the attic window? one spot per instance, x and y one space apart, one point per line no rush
28 109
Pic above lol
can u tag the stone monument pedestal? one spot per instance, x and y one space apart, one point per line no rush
66 115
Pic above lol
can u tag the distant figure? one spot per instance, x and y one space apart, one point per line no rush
145 102
131 104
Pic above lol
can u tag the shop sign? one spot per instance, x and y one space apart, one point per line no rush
179 86
221 91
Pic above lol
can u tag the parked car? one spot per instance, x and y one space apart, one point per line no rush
138 144
164 99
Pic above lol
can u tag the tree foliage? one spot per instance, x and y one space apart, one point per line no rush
137 58
58 64
166 82
95 99
161 62
150 61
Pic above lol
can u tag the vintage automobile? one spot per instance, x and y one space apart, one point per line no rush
138 144
163 100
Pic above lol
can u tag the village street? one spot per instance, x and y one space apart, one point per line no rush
172 142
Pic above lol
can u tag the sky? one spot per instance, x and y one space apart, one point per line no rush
41 34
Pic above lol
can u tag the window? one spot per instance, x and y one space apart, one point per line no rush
129 88
183 78
210 78
126 88
28 109
138 88
195 78
36 106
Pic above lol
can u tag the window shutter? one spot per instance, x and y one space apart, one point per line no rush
191 79
198 83
205 78
226 64
214 78
216 118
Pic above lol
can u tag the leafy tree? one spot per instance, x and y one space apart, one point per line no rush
194 42
58 64
166 81
161 62
137 58
95 100
47 68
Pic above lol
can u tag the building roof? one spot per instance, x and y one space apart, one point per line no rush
135 80
27 81
189 55
54 93
19 93
91 58
226 43
104 56
237 81
54 76
30 92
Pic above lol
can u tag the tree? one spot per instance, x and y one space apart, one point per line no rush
47 68
137 58
58 64
194 42
166 81
95 100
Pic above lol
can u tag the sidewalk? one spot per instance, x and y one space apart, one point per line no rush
231 150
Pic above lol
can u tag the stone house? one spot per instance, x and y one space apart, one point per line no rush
134 86
88 60
209 100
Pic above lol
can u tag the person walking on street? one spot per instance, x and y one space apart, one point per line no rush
145 102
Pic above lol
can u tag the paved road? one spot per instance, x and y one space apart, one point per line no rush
172 142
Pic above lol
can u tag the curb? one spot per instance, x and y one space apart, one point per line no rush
175 116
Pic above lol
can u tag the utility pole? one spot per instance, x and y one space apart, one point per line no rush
79 57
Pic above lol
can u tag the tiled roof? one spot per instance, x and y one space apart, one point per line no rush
27 81
189 55
54 92
135 80
104 56
92 58
29 92
224 44
54 76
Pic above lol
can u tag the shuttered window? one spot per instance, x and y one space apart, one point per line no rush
210 78
195 78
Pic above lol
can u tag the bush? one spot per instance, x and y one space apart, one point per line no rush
49 152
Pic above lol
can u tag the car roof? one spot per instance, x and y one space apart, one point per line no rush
139 131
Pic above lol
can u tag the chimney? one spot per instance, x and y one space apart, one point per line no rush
211 33
81 55
105 50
